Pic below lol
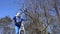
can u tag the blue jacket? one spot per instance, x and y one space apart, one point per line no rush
18 24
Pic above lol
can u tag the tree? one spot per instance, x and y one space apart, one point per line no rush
41 15
5 21
5 24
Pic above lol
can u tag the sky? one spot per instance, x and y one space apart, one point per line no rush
9 7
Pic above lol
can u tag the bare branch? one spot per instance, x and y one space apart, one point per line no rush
56 8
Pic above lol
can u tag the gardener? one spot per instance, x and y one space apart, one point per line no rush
18 20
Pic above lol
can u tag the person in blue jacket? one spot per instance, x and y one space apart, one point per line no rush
18 20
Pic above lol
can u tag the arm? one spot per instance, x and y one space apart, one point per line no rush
14 19
24 19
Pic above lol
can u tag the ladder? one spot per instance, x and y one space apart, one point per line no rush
22 29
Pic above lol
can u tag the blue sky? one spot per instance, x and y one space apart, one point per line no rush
9 7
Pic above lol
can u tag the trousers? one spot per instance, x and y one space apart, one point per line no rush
16 30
